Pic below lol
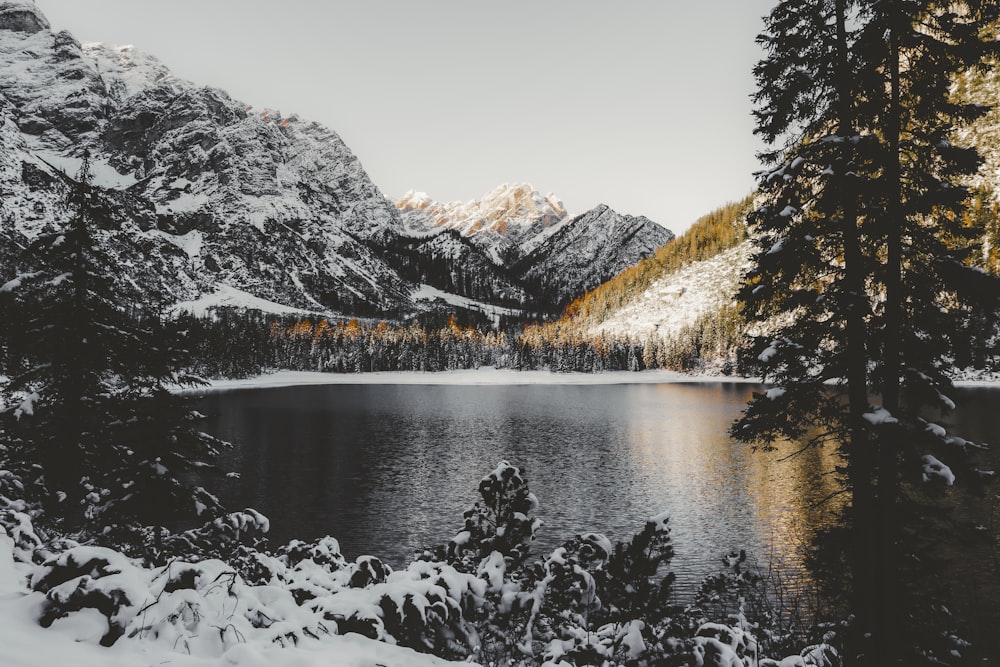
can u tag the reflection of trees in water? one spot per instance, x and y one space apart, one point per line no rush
723 494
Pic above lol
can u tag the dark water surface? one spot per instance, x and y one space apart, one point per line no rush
389 469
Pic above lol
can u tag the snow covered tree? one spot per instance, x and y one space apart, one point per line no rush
88 395
862 271
917 207
807 287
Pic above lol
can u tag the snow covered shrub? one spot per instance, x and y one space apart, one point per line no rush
591 603
817 655
312 570
718 644
565 590
91 578
224 537
427 606
369 570
501 522
324 552
206 608
630 585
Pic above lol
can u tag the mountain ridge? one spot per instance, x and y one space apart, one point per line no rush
216 195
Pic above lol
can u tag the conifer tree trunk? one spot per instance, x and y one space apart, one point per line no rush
888 447
861 465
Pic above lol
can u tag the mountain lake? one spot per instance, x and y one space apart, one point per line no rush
389 469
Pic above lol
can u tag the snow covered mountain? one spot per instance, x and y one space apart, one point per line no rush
506 222
221 203
217 194
587 251
533 241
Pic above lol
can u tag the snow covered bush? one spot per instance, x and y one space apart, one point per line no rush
91 578
588 602
226 537
499 523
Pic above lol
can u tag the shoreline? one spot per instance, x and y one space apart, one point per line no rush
490 376
471 377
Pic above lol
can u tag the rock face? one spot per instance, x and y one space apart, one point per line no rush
553 257
22 17
220 193
503 222
216 197
589 250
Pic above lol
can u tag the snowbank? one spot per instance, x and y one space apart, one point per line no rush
72 640
479 376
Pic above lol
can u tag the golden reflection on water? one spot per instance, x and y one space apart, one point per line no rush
684 453
388 470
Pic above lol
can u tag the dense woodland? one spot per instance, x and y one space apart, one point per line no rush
240 344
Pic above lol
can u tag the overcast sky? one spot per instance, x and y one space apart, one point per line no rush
643 106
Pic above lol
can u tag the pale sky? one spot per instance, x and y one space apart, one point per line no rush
643 106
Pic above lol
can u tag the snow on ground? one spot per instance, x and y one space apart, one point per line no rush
230 296
428 293
487 376
24 643
190 243
680 298
104 175
184 202
479 376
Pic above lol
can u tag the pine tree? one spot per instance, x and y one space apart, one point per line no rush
917 207
88 395
862 244
808 271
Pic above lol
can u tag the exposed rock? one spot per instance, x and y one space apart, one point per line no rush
587 251
22 17
502 222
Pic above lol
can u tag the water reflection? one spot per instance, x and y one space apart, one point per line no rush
390 469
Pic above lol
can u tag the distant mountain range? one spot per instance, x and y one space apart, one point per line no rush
217 199
530 240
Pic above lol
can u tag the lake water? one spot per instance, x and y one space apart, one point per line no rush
389 469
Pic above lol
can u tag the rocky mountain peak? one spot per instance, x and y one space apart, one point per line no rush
503 221
22 17
128 71
504 210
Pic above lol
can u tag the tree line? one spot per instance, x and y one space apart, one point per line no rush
232 343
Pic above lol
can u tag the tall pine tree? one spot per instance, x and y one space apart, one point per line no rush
88 397
807 287
861 271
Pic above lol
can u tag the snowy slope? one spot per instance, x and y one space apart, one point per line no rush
282 208
502 222
678 299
